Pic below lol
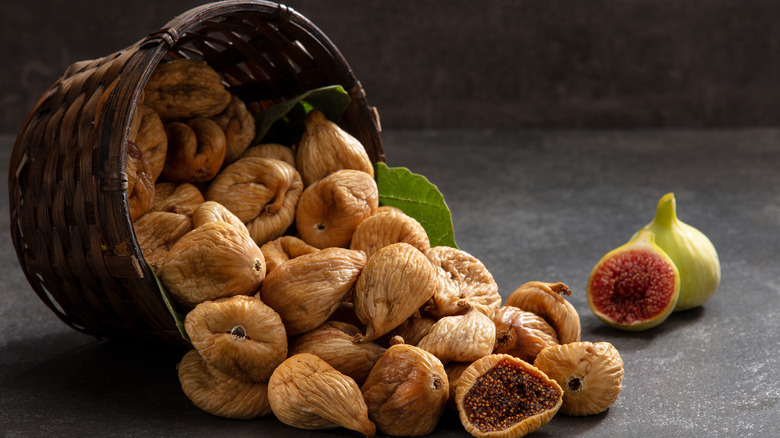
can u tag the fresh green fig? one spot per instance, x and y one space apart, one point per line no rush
634 286
690 250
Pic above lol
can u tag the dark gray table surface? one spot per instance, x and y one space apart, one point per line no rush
532 205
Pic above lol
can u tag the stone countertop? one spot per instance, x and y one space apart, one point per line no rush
532 205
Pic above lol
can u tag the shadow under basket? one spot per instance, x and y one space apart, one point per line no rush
70 221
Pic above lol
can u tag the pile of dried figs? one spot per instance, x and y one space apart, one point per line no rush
306 299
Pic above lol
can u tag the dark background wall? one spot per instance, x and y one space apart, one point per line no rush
472 64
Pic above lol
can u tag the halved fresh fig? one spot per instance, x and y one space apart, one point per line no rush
635 286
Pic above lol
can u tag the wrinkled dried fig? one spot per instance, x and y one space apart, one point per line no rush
140 184
157 232
219 394
331 208
272 150
306 290
186 88
395 282
239 335
591 375
262 192
387 226
461 338
546 300
522 334
239 127
283 249
503 396
411 331
152 140
325 148
468 283
212 261
211 211
335 343
181 198
196 150
307 393
406 391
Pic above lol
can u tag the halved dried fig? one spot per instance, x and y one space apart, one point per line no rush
152 140
283 249
591 375
157 232
211 211
262 192
306 290
220 394
395 282
387 226
546 300
272 150
461 338
185 88
196 150
406 391
325 148
212 261
331 208
181 198
140 184
239 127
239 335
504 396
336 343
468 283
307 393
522 334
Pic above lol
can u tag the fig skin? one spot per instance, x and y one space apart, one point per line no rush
692 252
635 286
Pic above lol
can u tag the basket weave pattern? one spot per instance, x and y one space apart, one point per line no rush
70 223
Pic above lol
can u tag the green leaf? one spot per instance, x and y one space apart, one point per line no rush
418 198
284 122
178 316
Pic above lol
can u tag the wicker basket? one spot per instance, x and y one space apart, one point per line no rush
70 221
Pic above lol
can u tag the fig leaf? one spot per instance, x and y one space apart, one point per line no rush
416 196
177 315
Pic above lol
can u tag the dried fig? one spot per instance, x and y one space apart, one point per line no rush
239 127
196 150
262 192
461 338
325 148
152 140
454 371
239 335
211 211
331 208
186 88
335 343
212 261
501 395
406 391
272 150
220 394
157 232
468 283
591 375
307 393
306 290
283 249
522 334
546 300
181 198
395 282
411 331
388 226
140 184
